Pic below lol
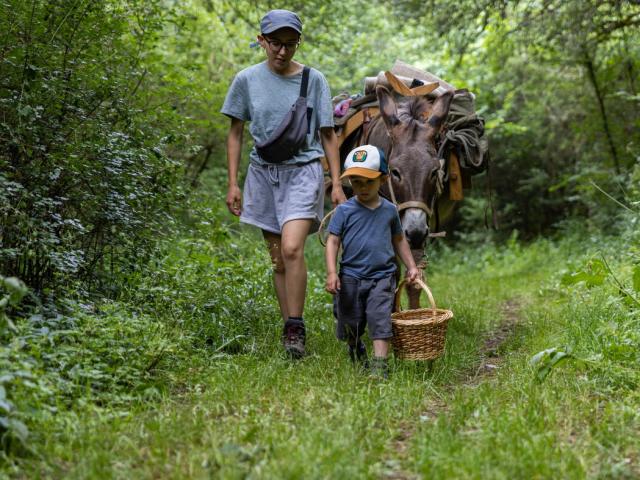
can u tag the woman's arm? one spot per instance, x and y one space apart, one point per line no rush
331 151
234 148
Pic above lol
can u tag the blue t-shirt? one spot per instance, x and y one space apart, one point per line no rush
262 97
365 234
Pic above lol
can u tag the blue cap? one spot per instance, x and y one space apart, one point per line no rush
277 19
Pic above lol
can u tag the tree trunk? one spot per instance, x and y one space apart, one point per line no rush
588 63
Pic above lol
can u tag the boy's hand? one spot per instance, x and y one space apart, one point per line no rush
333 283
413 274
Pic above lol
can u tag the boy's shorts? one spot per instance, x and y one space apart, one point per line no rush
364 303
275 194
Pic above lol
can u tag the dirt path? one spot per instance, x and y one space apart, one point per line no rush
491 360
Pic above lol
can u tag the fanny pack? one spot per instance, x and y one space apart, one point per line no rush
291 134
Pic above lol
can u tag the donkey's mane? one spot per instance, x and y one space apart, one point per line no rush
411 113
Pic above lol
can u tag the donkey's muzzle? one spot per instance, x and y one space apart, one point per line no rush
415 226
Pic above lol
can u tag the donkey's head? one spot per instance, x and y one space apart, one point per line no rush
415 170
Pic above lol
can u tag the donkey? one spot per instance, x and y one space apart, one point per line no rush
407 132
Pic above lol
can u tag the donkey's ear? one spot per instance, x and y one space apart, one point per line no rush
388 108
439 113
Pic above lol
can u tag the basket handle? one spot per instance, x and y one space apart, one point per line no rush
424 286
322 226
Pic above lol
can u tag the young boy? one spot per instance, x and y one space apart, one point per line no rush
369 229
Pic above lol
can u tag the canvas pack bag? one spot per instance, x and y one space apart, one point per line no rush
291 134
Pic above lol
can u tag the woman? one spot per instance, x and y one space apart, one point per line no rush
285 200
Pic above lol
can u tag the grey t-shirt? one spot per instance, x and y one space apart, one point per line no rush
262 97
365 234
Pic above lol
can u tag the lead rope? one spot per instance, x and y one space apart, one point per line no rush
391 193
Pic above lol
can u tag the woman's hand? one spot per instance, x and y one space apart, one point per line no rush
337 194
234 200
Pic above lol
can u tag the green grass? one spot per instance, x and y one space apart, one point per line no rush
228 404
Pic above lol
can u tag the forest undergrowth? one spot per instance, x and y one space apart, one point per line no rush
182 376
139 336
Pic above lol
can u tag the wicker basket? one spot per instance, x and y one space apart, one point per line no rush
419 334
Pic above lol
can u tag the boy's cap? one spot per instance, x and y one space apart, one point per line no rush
277 19
365 161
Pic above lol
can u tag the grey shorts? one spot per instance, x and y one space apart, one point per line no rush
275 194
364 303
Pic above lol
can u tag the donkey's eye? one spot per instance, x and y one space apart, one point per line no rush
396 174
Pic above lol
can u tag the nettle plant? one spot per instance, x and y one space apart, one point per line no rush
604 325
12 430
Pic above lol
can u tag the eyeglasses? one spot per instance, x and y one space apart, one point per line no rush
276 45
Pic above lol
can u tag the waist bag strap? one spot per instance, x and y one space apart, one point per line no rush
305 82
287 139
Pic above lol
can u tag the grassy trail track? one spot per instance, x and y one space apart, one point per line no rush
478 413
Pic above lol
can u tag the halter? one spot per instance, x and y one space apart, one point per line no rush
428 210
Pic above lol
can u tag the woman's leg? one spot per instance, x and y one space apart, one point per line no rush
290 280
274 244
294 234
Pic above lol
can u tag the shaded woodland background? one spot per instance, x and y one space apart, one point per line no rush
109 111
122 275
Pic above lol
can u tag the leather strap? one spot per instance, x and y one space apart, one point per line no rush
305 82
415 204
366 120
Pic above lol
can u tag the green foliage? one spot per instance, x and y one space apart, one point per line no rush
218 405
613 350
557 85
594 274
12 430
107 105
547 359
84 177
205 294
15 291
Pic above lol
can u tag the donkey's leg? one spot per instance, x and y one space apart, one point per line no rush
414 296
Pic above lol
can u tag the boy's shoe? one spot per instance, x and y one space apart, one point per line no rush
293 338
379 368
358 353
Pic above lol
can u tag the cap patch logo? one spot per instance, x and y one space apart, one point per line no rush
360 156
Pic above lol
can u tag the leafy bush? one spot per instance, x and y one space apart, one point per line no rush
206 293
104 355
12 430
84 182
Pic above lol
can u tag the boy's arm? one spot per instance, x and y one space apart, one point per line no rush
331 256
234 148
401 246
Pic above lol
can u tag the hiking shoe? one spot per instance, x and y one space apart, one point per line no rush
358 353
379 368
293 338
